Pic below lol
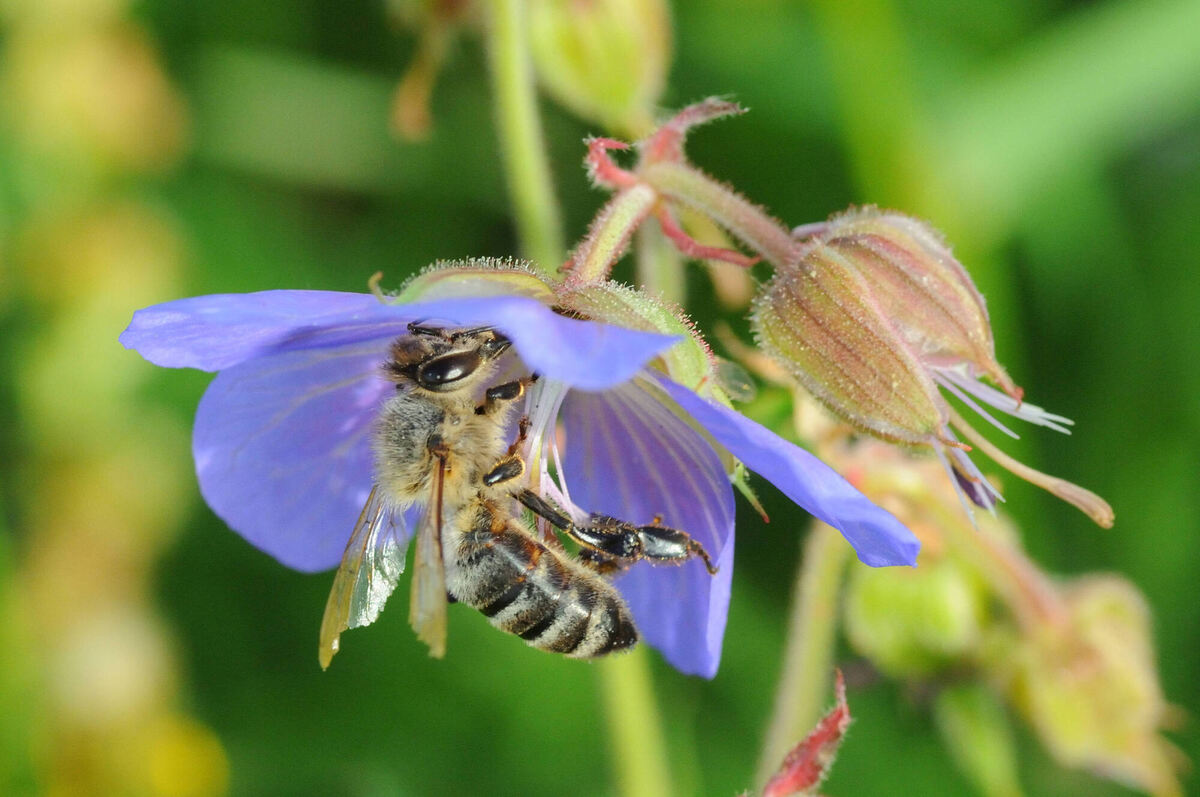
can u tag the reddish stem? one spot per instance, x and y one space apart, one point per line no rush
693 248
603 169
667 141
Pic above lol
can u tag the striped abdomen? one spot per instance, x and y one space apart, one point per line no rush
529 590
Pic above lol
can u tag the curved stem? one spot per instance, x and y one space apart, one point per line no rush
519 127
808 660
609 234
747 221
639 752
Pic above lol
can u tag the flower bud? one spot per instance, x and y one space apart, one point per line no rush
921 289
1088 683
874 316
913 622
820 320
606 60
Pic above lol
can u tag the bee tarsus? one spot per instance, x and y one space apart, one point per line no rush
608 538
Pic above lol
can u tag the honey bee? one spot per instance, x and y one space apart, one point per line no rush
440 443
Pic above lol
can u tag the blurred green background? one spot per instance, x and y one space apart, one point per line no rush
170 148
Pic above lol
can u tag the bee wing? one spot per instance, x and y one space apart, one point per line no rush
427 608
371 565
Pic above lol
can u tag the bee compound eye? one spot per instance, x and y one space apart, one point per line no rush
447 369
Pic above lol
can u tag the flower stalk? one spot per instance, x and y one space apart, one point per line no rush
745 220
808 658
609 235
659 266
539 225
634 726
662 183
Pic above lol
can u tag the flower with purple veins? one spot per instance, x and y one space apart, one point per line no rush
283 455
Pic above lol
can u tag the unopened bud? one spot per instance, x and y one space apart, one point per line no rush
1088 684
606 60
921 289
913 622
874 317
820 320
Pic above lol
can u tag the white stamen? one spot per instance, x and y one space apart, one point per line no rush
972 472
543 404
941 379
1004 402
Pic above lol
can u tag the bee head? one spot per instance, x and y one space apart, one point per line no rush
444 360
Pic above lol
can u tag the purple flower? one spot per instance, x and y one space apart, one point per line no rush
283 454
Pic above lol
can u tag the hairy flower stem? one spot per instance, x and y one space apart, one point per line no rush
519 127
808 660
609 235
748 222
639 752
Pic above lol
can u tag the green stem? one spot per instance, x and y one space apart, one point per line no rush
659 266
639 751
534 205
609 234
808 659
695 189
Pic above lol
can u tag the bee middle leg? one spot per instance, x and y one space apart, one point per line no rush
511 465
609 540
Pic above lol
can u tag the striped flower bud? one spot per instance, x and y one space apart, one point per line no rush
875 317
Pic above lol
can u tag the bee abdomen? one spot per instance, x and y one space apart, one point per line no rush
528 590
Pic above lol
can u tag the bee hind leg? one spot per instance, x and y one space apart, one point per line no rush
607 538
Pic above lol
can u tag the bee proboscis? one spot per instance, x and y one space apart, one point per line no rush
440 442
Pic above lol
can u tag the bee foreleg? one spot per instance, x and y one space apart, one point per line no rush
497 396
538 506
664 544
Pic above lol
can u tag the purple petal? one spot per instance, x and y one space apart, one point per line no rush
219 331
629 456
282 449
878 538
